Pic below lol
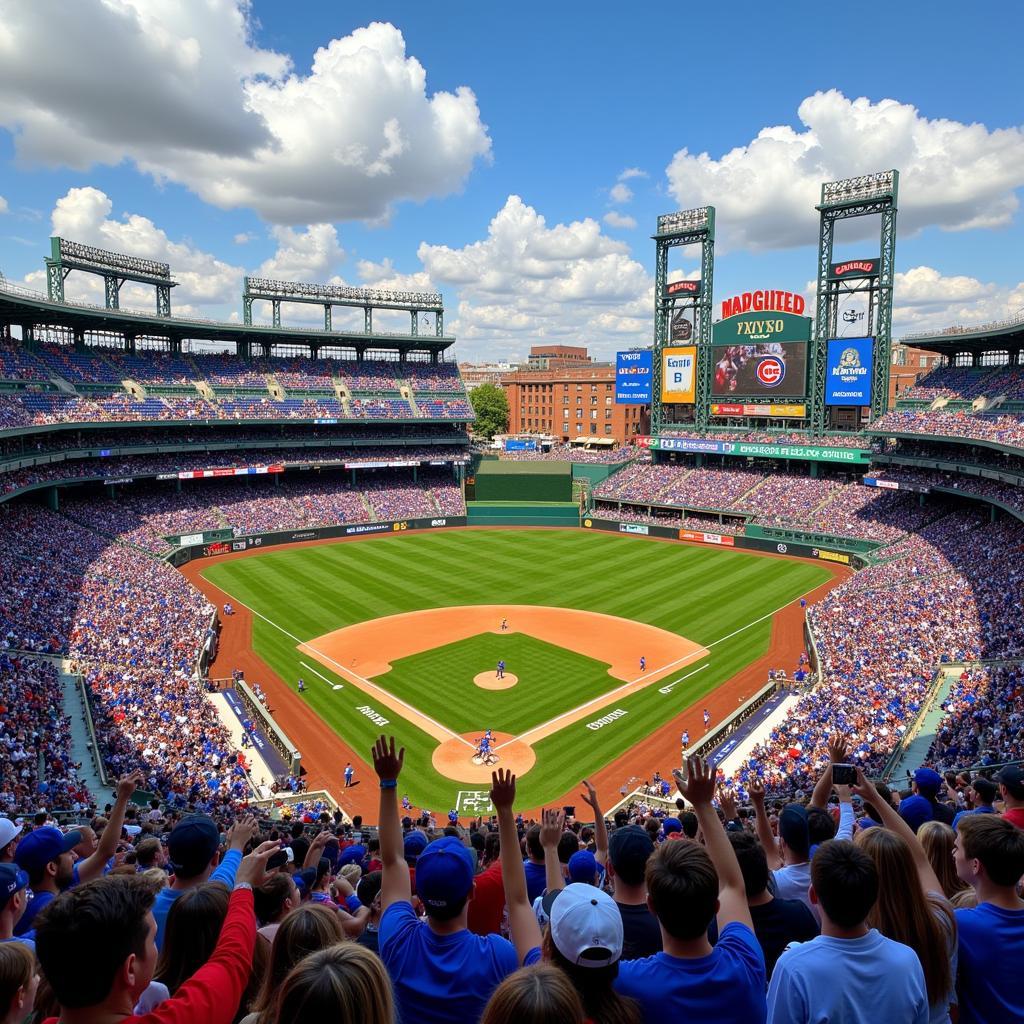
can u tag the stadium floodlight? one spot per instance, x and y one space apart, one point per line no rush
683 220
865 188
265 288
135 266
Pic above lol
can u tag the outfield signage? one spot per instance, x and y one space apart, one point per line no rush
682 289
725 540
812 453
773 411
640 528
678 374
201 474
896 485
633 374
848 371
767 300
520 444
849 269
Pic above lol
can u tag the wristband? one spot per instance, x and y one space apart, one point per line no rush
389 783
242 885
352 904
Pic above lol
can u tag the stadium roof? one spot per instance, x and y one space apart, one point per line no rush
22 306
971 338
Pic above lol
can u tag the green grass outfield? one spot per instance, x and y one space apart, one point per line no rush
702 593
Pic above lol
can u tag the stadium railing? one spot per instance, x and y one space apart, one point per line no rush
275 733
312 796
710 740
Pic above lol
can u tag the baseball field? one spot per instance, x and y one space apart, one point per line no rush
403 634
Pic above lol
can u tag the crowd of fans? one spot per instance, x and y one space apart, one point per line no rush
965 383
1002 428
784 437
852 904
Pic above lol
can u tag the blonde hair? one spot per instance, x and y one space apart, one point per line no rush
541 994
17 965
344 984
351 873
938 838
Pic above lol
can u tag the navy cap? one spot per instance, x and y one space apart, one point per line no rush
985 788
629 849
192 844
43 845
12 880
1013 779
304 880
444 873
794 828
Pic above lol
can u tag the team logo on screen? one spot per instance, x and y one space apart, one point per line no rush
771 371
850 359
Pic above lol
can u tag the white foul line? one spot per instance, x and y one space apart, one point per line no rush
333 686
667 688
366 686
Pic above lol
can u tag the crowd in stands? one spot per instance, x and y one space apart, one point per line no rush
851 905
944 594
983 722
965 383
574 453
992 490
785 437
1001 428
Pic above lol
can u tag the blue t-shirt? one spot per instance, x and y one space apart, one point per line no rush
536 881
727 985
856 981
26 940
441 979
991 951
225 872
983 809
38 902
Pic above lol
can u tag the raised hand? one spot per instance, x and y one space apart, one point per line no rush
253 868
386 763
589 796
129 783
756 790
698 785
552 826
242 831
837 749
503 789
727 801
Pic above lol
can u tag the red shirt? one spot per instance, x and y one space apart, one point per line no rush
213 993
1015 815
488 903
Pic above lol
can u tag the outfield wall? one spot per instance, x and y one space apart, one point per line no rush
513 514
523 481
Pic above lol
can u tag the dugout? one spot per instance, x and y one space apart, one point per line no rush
523 481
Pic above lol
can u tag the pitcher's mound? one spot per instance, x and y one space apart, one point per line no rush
489 681
455 760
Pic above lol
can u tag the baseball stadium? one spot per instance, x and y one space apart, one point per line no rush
268 576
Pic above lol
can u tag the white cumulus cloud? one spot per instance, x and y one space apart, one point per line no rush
614 219
180 88
620 193
528 282
952 175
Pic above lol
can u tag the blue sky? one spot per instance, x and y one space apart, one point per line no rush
516 162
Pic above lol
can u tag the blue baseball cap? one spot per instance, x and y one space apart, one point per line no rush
583 867
915 811
415 843
12 880
928 780
352 855
670 825
444 873
192 844
43 845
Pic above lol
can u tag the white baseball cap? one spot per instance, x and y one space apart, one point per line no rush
8 830
586 926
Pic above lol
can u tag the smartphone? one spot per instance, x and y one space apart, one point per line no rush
277 859
844 775
570 810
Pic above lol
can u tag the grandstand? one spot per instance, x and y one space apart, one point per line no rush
129 451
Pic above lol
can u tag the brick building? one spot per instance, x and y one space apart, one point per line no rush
571 402
556 357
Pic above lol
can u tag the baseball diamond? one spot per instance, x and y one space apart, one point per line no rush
390 622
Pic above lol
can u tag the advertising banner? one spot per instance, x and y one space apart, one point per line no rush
724 539
812 453
633 375
517 444
848 371
833 556
849 269
896 485
767 368
640 528
682 289
678 374
773 411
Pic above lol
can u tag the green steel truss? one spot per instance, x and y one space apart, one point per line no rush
686 227
868 195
